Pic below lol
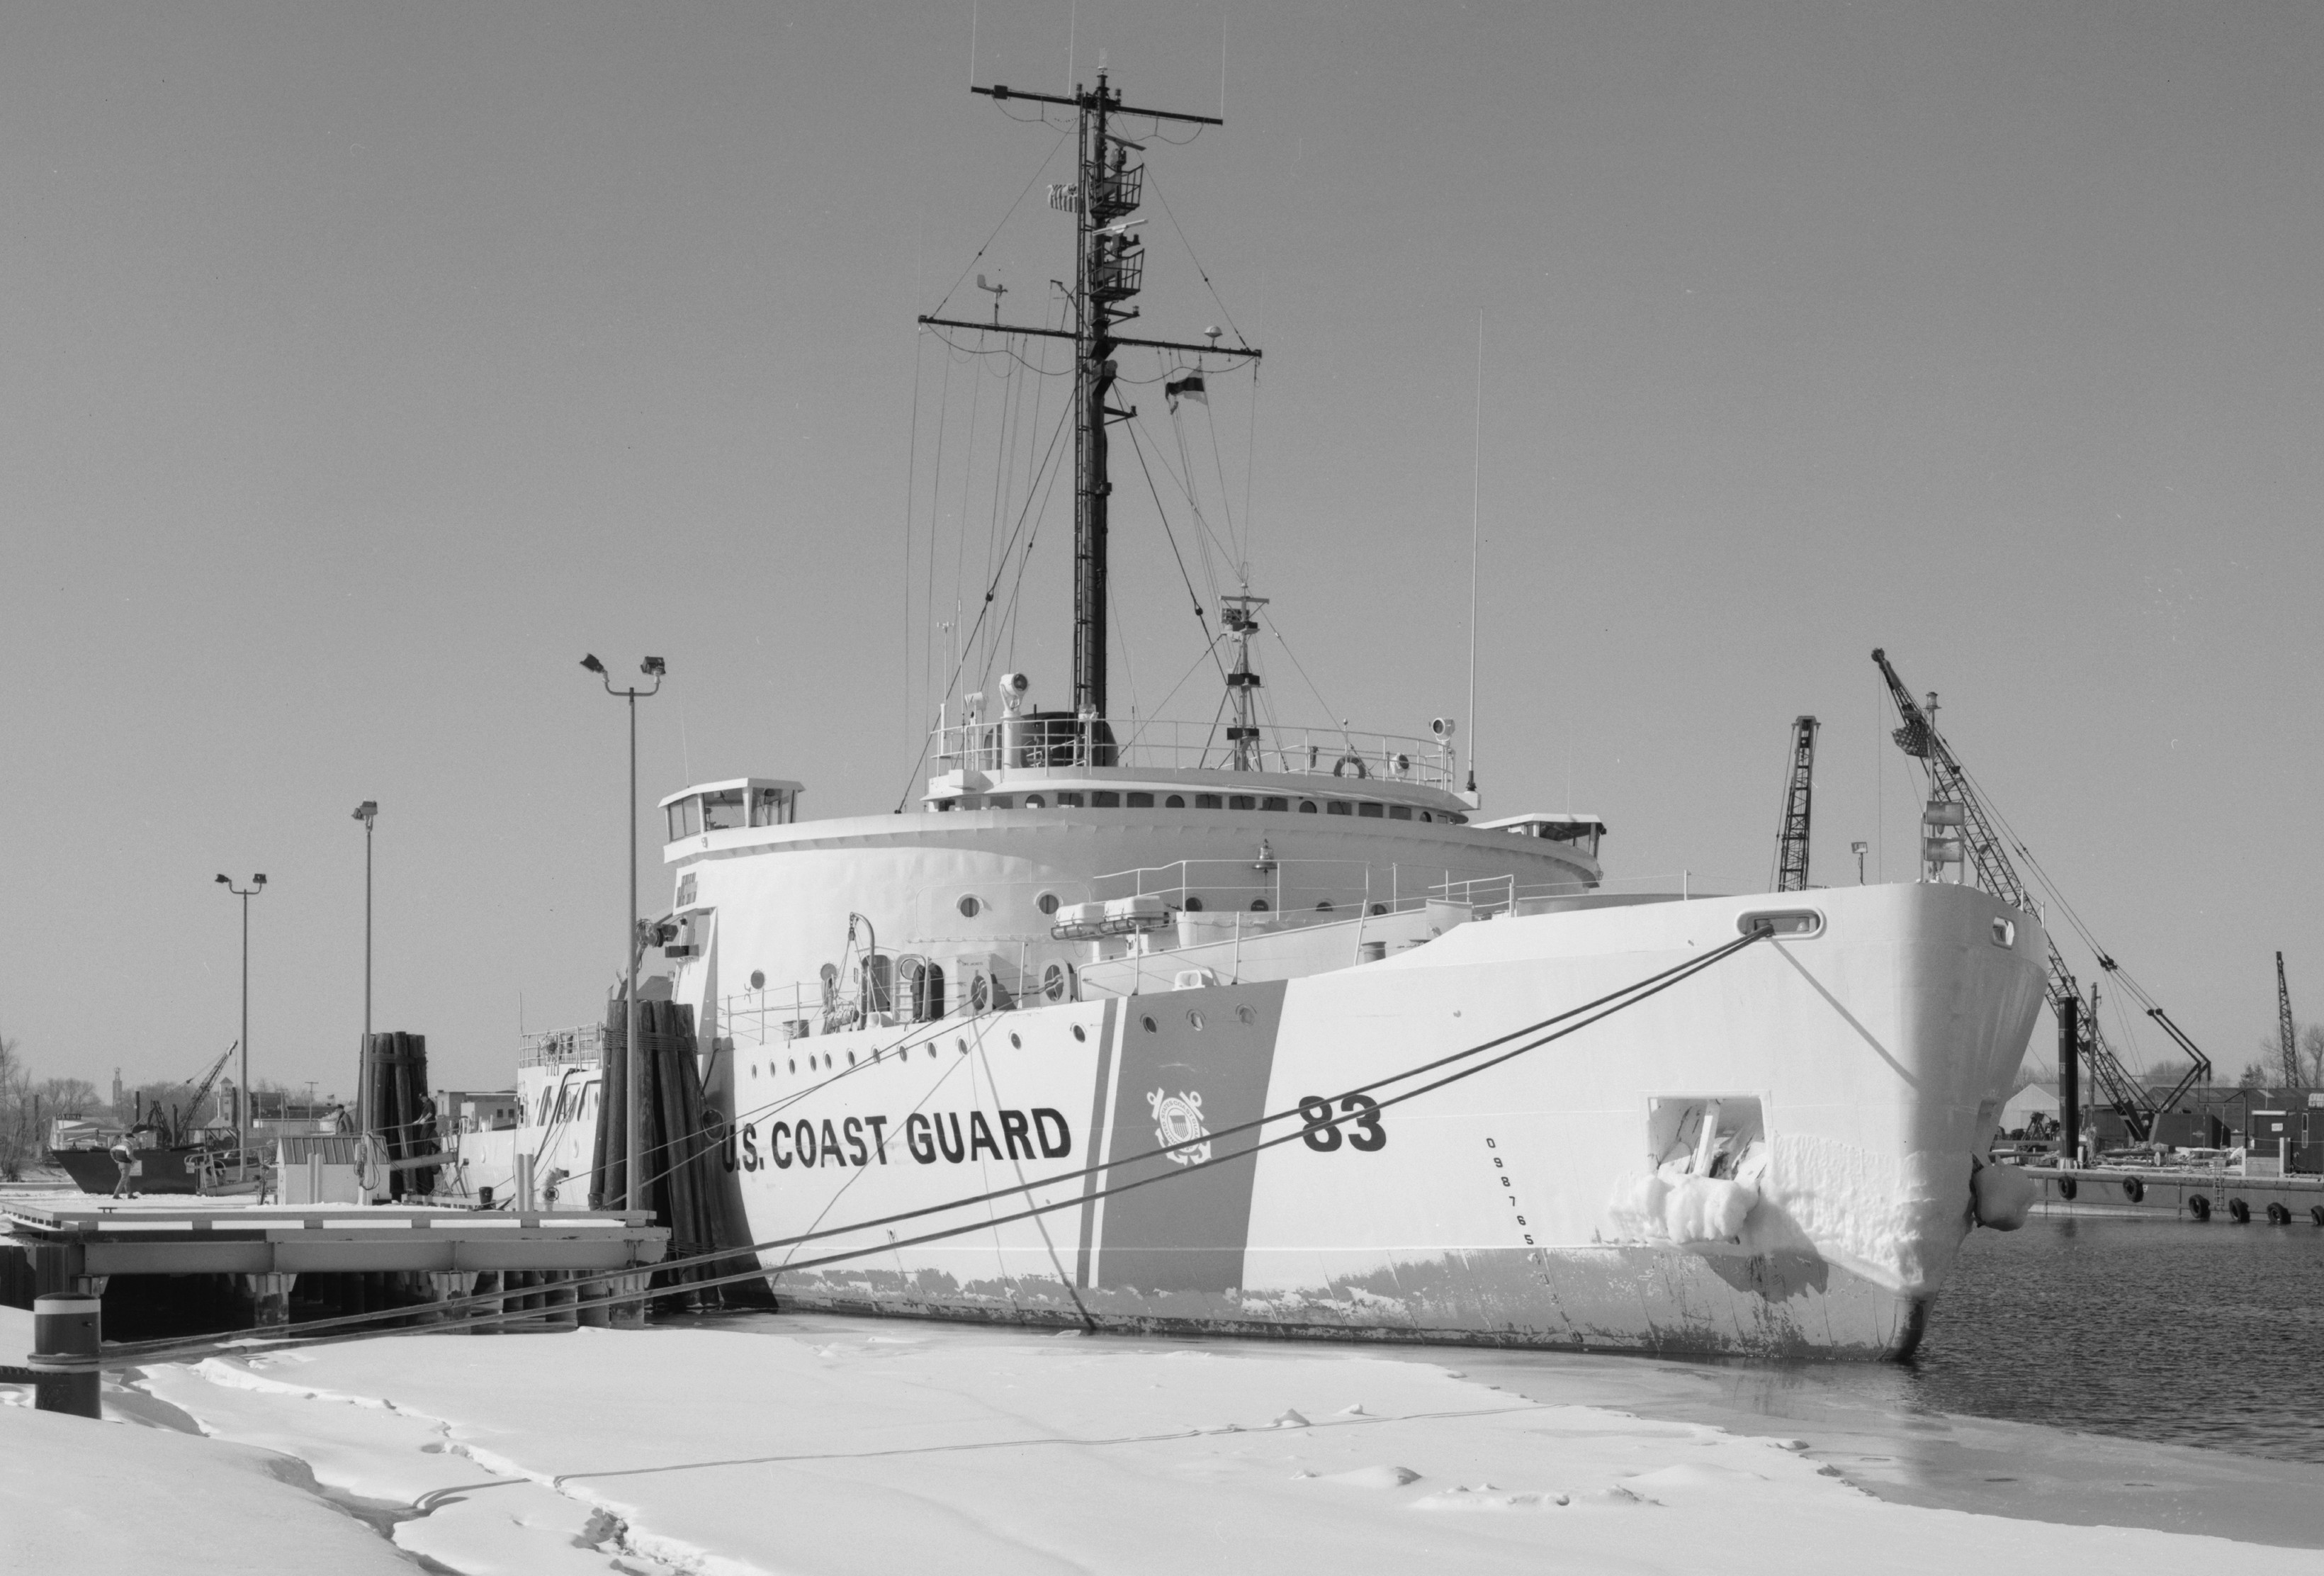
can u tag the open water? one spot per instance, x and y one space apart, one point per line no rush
2209 1335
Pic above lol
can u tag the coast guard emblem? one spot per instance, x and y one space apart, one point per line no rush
1178 1126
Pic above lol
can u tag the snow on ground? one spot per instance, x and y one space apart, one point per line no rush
80 1496
841 1446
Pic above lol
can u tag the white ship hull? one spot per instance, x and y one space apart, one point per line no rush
1519 1206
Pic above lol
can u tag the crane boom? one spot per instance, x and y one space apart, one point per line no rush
2285 1027
202 1089
1987 855
1791 836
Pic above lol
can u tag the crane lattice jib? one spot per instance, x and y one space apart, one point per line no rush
2284 1026
1986 855
1792 840
202 1089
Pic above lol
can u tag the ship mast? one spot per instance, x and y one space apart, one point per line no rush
1109 268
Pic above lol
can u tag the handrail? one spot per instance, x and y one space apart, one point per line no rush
1029 741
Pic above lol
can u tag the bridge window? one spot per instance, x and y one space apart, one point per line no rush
723 811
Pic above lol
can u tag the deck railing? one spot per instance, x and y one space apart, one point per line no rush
1043 741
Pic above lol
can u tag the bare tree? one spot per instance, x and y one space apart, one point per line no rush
19 1143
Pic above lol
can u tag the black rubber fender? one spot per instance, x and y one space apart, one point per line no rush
2198 1206
2278 1214
2133 1189
2066 1188
2239 1212
2316 1214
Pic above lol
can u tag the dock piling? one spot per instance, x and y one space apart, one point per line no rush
270 1298
66 1330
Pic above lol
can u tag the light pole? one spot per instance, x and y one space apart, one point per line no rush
1859 849
633 1117
367 812
242 1105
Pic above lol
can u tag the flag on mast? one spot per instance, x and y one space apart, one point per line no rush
1190 387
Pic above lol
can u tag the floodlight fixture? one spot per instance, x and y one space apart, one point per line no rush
653 668
592 664
258 881
224 882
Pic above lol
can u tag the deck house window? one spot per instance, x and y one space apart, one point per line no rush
1206 801
1369 808
1338 806
1399 811
1139 801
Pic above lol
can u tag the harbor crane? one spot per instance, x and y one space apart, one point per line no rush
2284 1027
1791 836
202 1088
1968 835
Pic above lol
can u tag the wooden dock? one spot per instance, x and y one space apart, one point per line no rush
79 1244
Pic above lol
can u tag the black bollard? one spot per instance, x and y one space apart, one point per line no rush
66 1330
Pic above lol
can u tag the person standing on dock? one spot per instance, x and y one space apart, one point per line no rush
124 1156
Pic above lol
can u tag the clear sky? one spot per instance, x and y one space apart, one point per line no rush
366 365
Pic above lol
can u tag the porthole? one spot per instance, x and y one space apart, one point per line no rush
794 1063
970 908
1149 1024
851 1058
964 1047
1258 905
1194 905
1195 1021
754 1069
1015 1044
932 1047
1080 1033
1324 906
1306 806
1378 908
1046 902
1246 1013
758 978
1175 802
1034 802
